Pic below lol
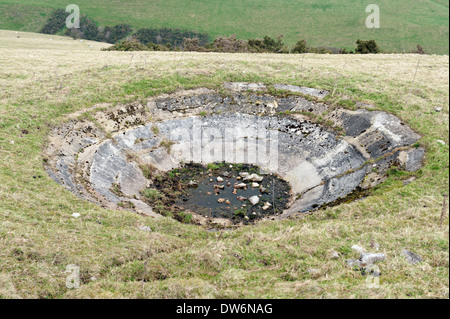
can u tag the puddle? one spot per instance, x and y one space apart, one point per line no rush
237 192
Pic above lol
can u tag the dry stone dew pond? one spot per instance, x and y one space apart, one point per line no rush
121 156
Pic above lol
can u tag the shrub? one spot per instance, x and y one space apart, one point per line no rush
174 37
55 22
300 47
116 33
127 45
419 50
267 44
193 44
88 30
345 51
365 47
320 50
229 44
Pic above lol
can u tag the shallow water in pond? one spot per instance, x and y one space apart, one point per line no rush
229 198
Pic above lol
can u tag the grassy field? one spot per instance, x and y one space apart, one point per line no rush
404 24
42 81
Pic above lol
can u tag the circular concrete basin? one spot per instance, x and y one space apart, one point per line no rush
324 154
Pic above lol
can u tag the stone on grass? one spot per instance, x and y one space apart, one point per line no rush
145 228
334 255
368 259
76 215
358 248
441 142
411 257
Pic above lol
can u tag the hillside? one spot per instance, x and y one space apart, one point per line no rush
337 23
121 254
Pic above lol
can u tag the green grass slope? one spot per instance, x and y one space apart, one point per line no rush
404 24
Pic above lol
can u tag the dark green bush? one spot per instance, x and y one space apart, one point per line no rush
267 44
88 30
55 22
300 47
365 47
174 37
116 33
128 45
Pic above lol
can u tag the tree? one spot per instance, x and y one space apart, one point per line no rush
300 47
55 22
365 47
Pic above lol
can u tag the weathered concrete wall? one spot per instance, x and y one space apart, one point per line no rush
242 126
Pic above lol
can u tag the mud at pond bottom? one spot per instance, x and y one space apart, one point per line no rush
221 190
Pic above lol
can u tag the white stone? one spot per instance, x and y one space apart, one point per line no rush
334 255
219 179
368 259
358 248
254 200
411 257
254 178
76 215
441 142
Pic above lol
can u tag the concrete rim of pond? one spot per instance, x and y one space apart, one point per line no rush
347 150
